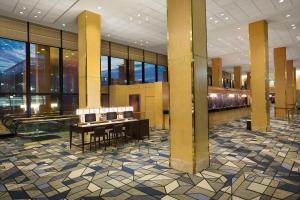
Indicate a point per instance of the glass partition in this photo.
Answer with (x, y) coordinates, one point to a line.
(12, 66)
(135, 72)
(162, 73)
(104, 70)
(44, 69)
(118, 71)
(12, 104)
(44, 104)
(149, 72)
(70, 71)
(71, 103)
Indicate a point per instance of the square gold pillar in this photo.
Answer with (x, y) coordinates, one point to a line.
(280, 83)
(290, 94)
(89, 43)
(237, 77)
(187, 61)
(259, 65)
(216, 66)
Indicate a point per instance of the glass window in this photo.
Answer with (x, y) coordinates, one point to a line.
(44, 69)
(149, 72)
(70, 71)
(70, 104)
(104, 70)
(135, 72)
(44, 104)
(11, 104)
(118, 71)
(162, 73)
(12, 66)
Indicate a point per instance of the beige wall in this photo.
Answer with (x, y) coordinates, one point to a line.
(153, 99)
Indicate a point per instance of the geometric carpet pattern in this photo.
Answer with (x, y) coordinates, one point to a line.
(243, 165)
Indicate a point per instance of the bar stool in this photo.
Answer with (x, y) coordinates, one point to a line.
(119, 132)
(98, 133)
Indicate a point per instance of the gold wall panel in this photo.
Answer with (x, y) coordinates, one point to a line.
(187, 62)
(280, 83)
(89, 42)
(44, 35)
(118, 50)
(69, 40)
(150, 57)
(13, 29)
(259, 59)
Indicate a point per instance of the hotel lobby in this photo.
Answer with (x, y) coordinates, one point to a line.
(150, 99)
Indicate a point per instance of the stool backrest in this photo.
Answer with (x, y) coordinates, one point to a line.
(99, 131)
(118, 128)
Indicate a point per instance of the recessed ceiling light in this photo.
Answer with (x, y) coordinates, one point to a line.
(226, 18)
(211, 18)
(147, 42)
(147, 18)
(21, 12)
(99, 7)
(63, 25)
(43, 49)
(130, 18)
(35, 16)
(216, 21)
(108, 35)
(39, 12)
(281, 1)
(238, 28)
(288, 15)
(293, 25)
(139, 14)
(24, 8)
(222, 14)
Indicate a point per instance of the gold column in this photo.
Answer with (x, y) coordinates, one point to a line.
(259, 64)
(237, 77)
(216, 70)
(280, 83)
(248, 80)
(187, 63)
(290, 94)
(89, 43)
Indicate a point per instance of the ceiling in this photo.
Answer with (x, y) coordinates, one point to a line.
(143, 23)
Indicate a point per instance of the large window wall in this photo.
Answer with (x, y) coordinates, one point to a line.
(42, 79)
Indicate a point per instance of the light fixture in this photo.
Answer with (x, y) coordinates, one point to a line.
(147, 42)
(39, 12)
(147, 18)
(222, 14)
(24, 8)
(139, 14)
(211, 18)
(99, 7)
(35, 16)
(108, 35)
(43, 49)
(288, 15)
(216, 21)
(63, 25)
(130, 18)
(293, 25)
(280, 1)
(226, 18)
(238, 28)
(21, 12)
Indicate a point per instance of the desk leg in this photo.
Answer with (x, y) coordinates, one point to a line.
(71, 139)
(82, 140)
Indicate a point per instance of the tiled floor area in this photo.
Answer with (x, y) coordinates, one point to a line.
(244, 165)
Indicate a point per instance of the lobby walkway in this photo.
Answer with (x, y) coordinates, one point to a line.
(244, 165)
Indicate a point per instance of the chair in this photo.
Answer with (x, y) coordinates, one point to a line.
(119, 132)
(132, 130)
(144, 129)
(98, 133)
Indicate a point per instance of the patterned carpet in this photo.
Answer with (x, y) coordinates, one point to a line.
(244, 165)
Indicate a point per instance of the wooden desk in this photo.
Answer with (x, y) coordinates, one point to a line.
(82, 129)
